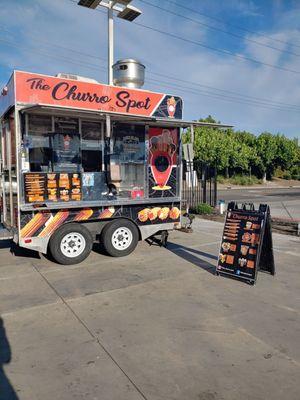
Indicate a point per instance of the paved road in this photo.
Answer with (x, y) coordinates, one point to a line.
(284, 203)
(156, 325)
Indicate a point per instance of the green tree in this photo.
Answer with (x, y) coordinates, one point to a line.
(287, 152)
(242, 151)
(267, 151)
(249, 140)
(212, 146)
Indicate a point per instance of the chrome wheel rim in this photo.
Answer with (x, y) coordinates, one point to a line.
(122, 238)
(72, 245)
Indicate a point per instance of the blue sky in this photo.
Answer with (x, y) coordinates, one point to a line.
(50, 36)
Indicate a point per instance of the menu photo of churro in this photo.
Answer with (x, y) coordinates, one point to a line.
(64, 182)
(75, 187)
(64, 195)
(226, 246)
(52, 194)
(52, 186)
(64, 186)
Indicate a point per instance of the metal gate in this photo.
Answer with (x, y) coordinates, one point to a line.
(201, 189)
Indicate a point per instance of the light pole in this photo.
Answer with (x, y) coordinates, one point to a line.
(124, 10)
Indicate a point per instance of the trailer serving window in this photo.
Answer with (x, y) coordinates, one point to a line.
(91, 146)
(63, 144)
(38, 143)
(67, 159)
(65, 140)
(127, 160)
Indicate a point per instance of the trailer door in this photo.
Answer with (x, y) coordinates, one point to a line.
(8, 171)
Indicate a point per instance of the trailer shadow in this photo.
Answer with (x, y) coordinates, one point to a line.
(185, 253)
(7, 392)
(18, 251)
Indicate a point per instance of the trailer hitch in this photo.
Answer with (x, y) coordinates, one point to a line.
(160, 239)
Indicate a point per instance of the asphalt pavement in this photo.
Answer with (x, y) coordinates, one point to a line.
(284, 203)
(156, 325)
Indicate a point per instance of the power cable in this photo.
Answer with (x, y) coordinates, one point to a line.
(4, 29)
(201, 44)
(60, 58)
(227, 52)
(173, 78)
(219, 20)
(219, 29)
(162, 75)
(166, 84)
(218, 96)
(242, 99)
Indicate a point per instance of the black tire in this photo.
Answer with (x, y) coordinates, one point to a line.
(56, 239)
(112, 245)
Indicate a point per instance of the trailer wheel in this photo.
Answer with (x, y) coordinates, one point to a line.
(119, 238)
(71, 244)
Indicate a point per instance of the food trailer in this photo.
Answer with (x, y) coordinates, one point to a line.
(84, 162)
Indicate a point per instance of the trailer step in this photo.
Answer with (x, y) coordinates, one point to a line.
(5, 234)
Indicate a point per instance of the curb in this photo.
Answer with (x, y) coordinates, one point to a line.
(279, 225)
(259, 187)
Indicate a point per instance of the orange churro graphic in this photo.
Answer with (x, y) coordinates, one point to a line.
(107, 213)
(143, 215)
(152, 215)
(54, 223)
(174, 213)
(163, 213)
(37, 221)
(83, 215)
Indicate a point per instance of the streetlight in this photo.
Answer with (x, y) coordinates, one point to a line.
(124, 10)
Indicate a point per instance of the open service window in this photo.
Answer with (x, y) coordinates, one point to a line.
(127, 169)
(62, 159)
(91, 146)
(66, 155)
(37, 143)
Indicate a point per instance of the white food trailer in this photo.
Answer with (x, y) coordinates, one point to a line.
(84, 162)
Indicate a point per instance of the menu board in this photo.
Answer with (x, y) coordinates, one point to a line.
(64, 187)
(35, 187)
(246, 230)
(41, 187)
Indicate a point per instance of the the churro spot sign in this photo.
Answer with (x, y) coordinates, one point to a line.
(41, 89)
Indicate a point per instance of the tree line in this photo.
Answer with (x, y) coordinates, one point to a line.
(240, 152)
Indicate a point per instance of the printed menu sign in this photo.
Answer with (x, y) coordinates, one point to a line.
(48, 187)
(35, 187)
(245, 233)
(64, 187)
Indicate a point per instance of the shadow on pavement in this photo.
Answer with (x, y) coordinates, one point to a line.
(5, 244)
(98, 248)
(185, 253)
(6, 390)
(18, 251)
